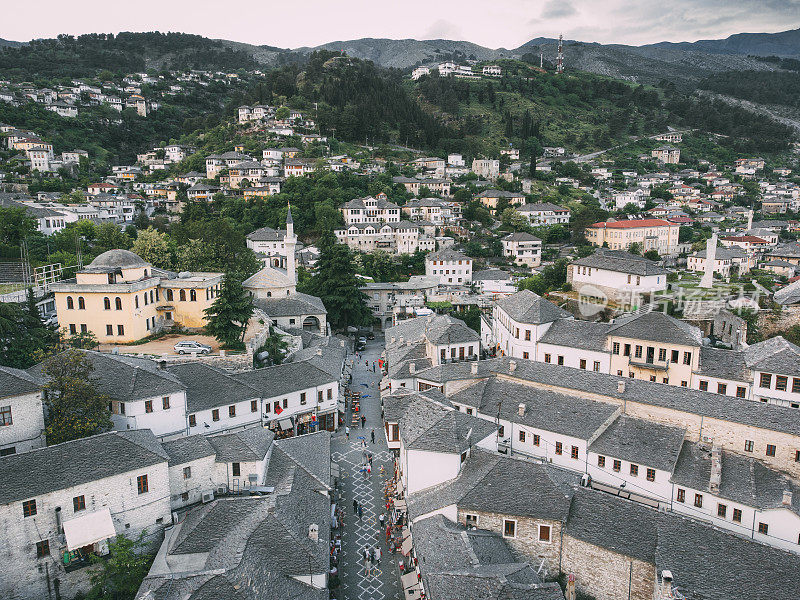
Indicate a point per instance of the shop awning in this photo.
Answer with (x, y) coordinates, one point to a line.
(409, 580)
(406, 547)
(334, 469)
(285, 424)
(89, 529)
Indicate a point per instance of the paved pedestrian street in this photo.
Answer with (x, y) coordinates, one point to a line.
(359, 580)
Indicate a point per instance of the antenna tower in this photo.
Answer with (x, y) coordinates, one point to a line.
(560, 57)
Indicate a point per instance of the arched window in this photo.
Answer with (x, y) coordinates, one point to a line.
(70, 304)
(136, 301)
(151, 296)
(81, 303)
(169, 295)
(269, 294)
(183, 296)
(145, 272)
(118, 303)
(106, 303)
(193, 295)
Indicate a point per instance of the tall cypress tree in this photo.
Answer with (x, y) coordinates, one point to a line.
(230, 312)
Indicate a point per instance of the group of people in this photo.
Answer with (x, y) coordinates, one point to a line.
(371, 556)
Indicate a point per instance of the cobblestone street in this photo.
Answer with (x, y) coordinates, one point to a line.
(362, 581)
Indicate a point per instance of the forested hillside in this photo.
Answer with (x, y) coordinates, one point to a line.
(764, 87)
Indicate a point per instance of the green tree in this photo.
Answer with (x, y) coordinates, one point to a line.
(652, 255)
(513, 220)
(154, 247)
(335, 282)
(15, 225)
(275, 346)
(119, 575)
(229, 314)
(24, 339)
(282, 113)
(635, 248)
(74, 407)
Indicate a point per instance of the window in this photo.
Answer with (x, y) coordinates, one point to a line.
(187, 472)
(781, 382)
(651, 474)
(148, 406)
(165, 402)
(741, 392)
(79, 503)
(509, 528)
(634, 470)
(559, 449)
(81, 303)
(182, 295)
(29, 508)
(684, 384)
(169, 295)
(722, 388)
(70, 303)
(721, 510)
(681, 497)
(770, 449)
(192, 295)
(638, 352)
(319, 396)
(617, 465)
(627, 351)
(583, 363)
(544, 533)
(615, 348)
(560, 360)
(574, 452)
(118, 303)
(253, 405)
(737, 515)
(106, 303)
(521, 436)
(601, 461)
(232, 411)
(675, 355)
(765, 380)
(192, 420)
(763, 528)
(185, 497)
(596, 367)
(5, 416)
(136, 301)
(302, 398)
(704, 386)
(120, 330)
(215, 414)
(526, 355)
(42, 548)
(83, 328)
(547, 358)
(687, 358)
(536, 439)
(330, 393)
(471, 520)
(72, 329)
(527, 335)
(469, 410)
(662, 354)
(109, 330)
(698, 500)
(796, 385)
(141, 484)
(236, 469)
(285, 403)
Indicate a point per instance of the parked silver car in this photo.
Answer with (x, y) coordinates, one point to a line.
(191, 347)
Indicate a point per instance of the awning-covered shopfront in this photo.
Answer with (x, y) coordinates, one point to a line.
(89, 529)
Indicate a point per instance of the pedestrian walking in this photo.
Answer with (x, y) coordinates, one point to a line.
(373, 366)
(377, 554)
(360, 511)
(369, 458)
(369, 470)
(381, 518)
(355, 506)
(373, 436)
(347, 432)
(363, 421)
(365, 555)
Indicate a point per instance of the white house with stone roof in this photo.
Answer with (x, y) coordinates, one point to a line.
(450, 266)
(523, 249)
(617, 275)
(520, 320)
(21, 412)
(370, 210)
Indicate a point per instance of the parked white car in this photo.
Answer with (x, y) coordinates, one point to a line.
(191, 347)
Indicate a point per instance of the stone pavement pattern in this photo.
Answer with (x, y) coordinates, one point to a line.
(378, 581)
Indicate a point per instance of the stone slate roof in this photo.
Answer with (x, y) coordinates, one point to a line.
(446, 254)
(542, 206)
(187, 449)
(310, 452)
(491, 275)
(575, 333)
(725, 364)
(208, 387)
(359, 203)
(744, 479)
(38, 472)
(775, 355)
(521, 236)
(437, 329)
(788, 295)
(639, 441)
(125, 378)
(16, 382)
(527, 307)
(290, 306)
(202, 532)
(247, 445)
(544, 409)
(656, 327)
(724, 253)
(277, 380)
(621, 262)
(267, 234)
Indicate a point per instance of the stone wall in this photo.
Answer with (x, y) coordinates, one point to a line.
(607, 575)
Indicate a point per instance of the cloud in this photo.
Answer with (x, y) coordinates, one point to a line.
(558, 9)
(442, 29)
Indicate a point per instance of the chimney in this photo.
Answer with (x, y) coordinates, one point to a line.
(393, 339)
(412, 368)
(473, 368)
(621, 386)
(319, 351)
(666, 585)
(313, 532)
(716, 469)
(787, 498)
(512, 366)
(521, 409)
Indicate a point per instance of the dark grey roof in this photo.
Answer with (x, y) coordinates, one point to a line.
(723, 253)
(544, 409)
(575, 333)
(209, 387)
(66, 465)
(16, 382)
(187, 449)
(527, 307)
(789, 294)
(291, 306)
(491, 275)
(437, 329)
(542, 206)
(209, 528)
(521, 236)
(725, 364)
(656, 327)
(621, 262)
(640, 441)
(500, 194)
(775, 355)
(312, 453)
(267, 234)
(447, 254)
(270, 382)
(247, 445)
(125, 378)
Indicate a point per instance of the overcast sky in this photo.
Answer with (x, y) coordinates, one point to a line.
(497, 23)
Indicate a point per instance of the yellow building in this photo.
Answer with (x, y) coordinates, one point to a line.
(650, 234)
(120, 298)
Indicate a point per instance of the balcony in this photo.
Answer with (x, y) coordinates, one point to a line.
(641, 363)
